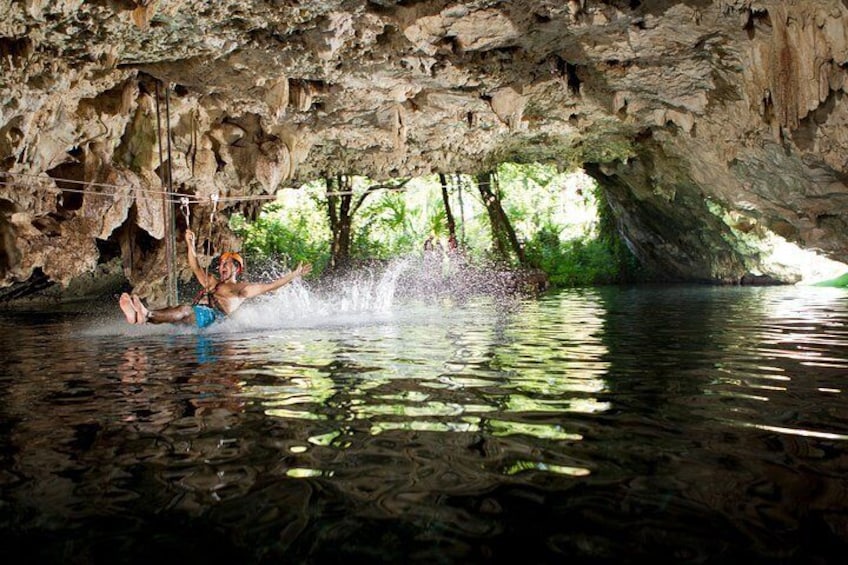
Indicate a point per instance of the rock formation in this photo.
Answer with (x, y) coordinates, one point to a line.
(681, 110)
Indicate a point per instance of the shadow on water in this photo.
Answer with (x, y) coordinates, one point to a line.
(612, 425)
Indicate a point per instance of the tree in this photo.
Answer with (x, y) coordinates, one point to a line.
(341, 208)
(452, 241)
(504, 240)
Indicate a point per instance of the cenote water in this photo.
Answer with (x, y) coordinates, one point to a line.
(607, 425)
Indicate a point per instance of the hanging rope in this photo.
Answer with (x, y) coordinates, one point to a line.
(193, 149)
(461, 206)
(168, 129)
(159, 133)
(212, 216)
(167, 205)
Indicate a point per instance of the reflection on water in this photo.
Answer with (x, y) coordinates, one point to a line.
(606, 425)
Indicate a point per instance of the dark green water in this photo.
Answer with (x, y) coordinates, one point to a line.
(673, 424)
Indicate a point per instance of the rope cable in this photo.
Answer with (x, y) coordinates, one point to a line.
(168, 129)
(193, 150)
(167, 207)
(461, 205)
(58, 190)
(120, 186)
(159, 144)
(124, 190)
(212, 217)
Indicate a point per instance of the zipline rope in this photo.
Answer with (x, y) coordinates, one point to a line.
(87, 183)
(124, 190)
(129, 191)
(212, 215)
(58, 190)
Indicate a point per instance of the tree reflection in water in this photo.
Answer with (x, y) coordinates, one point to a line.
(601, 425)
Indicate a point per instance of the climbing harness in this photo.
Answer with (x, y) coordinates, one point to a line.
(205, 313)
(211, 299)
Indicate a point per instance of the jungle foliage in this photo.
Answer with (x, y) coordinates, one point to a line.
(561, 221)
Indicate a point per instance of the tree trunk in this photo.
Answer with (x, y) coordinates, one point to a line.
(452, 241)
(503, 236)
(341, 208)
(339, 212)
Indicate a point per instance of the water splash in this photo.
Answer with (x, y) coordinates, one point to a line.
(355, 298)
(367, 295)
(367, 290)
(454, 275)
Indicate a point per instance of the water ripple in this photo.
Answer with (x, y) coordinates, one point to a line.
(704, 423)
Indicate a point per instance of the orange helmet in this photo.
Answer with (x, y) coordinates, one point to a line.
(232, 255)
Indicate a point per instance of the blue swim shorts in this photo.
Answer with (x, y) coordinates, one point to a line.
(205, 316)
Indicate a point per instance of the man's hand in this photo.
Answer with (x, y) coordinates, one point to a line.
(303, 269)
(189, 238)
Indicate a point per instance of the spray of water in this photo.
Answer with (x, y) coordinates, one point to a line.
(367, 295)
(454, 276)
(357, 296)
(377, 292)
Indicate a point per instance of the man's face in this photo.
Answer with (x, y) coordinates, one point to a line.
(227, 269)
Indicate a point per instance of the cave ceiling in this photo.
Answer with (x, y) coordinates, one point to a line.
(676, 108)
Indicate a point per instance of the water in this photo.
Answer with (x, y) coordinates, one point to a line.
(614, 425)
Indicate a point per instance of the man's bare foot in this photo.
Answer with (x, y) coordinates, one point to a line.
(125, 302)
(140, 309)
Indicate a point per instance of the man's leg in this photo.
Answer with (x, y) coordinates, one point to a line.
(174, 315)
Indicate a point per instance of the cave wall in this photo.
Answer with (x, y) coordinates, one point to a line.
(668, 104)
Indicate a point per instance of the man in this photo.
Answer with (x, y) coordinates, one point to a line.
(219, 297)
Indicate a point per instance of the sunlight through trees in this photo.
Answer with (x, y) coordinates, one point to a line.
(528, 216)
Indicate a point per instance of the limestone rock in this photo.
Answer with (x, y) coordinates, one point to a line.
(673, 106)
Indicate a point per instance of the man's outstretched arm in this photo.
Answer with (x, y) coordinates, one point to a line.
(255, 289)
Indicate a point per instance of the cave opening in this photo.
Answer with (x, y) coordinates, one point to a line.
(773, 256)
(524, 215)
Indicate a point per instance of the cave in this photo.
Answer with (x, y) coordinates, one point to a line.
(382, 414)
(715, 110)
